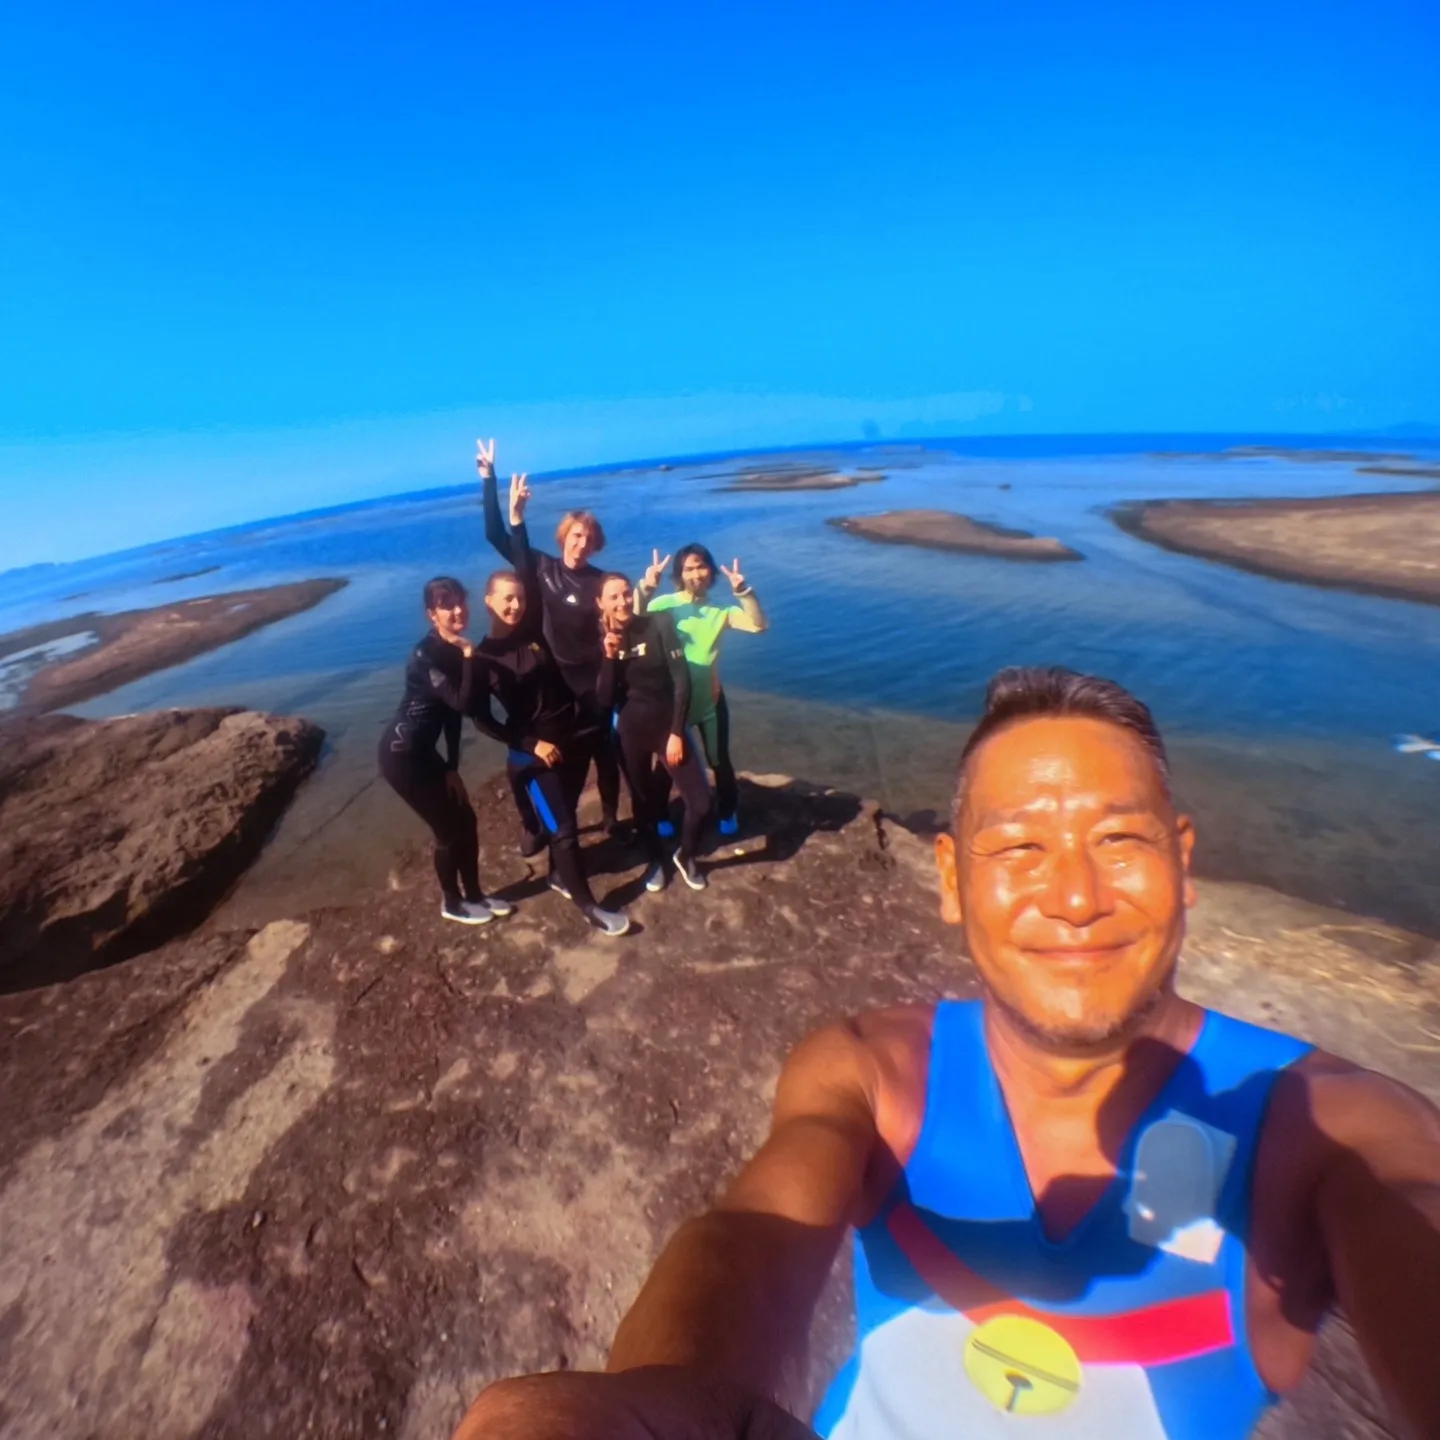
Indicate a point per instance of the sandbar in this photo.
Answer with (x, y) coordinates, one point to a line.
(134, 643)
(946, 530)
(1385, 544)
(1296, 453)
(802, 478)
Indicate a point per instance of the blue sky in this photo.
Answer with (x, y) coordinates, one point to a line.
(258, 258)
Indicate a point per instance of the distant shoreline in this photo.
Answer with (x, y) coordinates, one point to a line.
(135, 643)
(1386, 544)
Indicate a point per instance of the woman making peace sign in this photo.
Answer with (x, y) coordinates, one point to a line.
(702, 625)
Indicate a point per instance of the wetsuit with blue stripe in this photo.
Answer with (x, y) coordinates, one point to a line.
(565, 611)
(973, 1323)
(518, 671)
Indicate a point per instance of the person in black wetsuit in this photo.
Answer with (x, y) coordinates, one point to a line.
(548, 742)
(438, 684)
(645, 681)
(569, 586)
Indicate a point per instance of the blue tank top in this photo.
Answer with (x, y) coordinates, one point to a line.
(1131, 1328)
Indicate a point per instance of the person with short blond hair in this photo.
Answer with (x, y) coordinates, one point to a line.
(569, 591)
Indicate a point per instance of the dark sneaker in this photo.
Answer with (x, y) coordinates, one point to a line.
(467, 912)
(608, 922)
(498, 908)
(558, 886)
(655, 878)
(730, 825)
(689, 872)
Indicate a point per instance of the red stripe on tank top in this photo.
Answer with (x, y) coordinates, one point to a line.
(1153, 1335)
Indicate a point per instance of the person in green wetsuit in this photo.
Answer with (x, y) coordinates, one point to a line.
(702, 625)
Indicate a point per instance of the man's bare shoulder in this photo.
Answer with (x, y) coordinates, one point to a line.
(1337, 1102)
(896, 1043)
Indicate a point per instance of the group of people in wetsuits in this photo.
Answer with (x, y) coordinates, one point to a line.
(580, 667)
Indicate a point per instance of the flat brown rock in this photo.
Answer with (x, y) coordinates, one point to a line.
(1376, 544)
(115, 649)
(946, 530)
(116, 835)
(332, 1177)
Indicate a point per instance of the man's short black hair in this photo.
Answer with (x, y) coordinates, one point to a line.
(1038, 692)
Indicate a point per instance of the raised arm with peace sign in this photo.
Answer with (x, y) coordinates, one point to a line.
(654, 570)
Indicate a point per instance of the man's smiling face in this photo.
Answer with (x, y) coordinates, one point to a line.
(1069, 869)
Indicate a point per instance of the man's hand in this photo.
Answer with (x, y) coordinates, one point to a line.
(612, 644)
(734, 576)
(456, 786)
(485, 459)
(660, 1402)
(519, 499)
(546, 753)
(654, 570)
(675, 751)
(467, 647)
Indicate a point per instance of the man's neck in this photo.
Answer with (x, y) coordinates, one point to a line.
(1084, 1076)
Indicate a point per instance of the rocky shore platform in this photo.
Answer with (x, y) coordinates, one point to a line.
(117, 835)
(1376, 544)
(946, 530)
(331, 1176)
(63, 662)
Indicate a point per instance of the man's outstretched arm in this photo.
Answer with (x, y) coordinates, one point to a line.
(732, 1295)
(1377, 1201)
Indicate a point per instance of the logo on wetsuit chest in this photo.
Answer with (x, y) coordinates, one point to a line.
(1022, 1366)
(633, 651)
(572, 598)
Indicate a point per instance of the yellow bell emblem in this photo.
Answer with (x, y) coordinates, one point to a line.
(1022, 1366)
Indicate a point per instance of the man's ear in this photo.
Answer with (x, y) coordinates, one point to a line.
(1185, 834)
(949, 882)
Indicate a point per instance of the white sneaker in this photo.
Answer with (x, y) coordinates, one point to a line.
(499, 908)
(655, 878)
(689, 871)
(466, 912)
(608, 922)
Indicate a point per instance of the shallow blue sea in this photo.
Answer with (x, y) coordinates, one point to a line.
(1243, 666)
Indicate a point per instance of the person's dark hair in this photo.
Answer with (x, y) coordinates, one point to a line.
(443, 590)
(1034, 692)
(496, 576)
(677, 568)
(610, 575)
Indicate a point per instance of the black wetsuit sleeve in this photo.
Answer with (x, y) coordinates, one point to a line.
(457, 700)
(483, 714)
(495, 531)
(454, 694)
(679, 673)
(527, 567)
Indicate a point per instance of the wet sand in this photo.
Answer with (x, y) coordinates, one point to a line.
(946, 530)
(1376, 544)
(135, 643)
